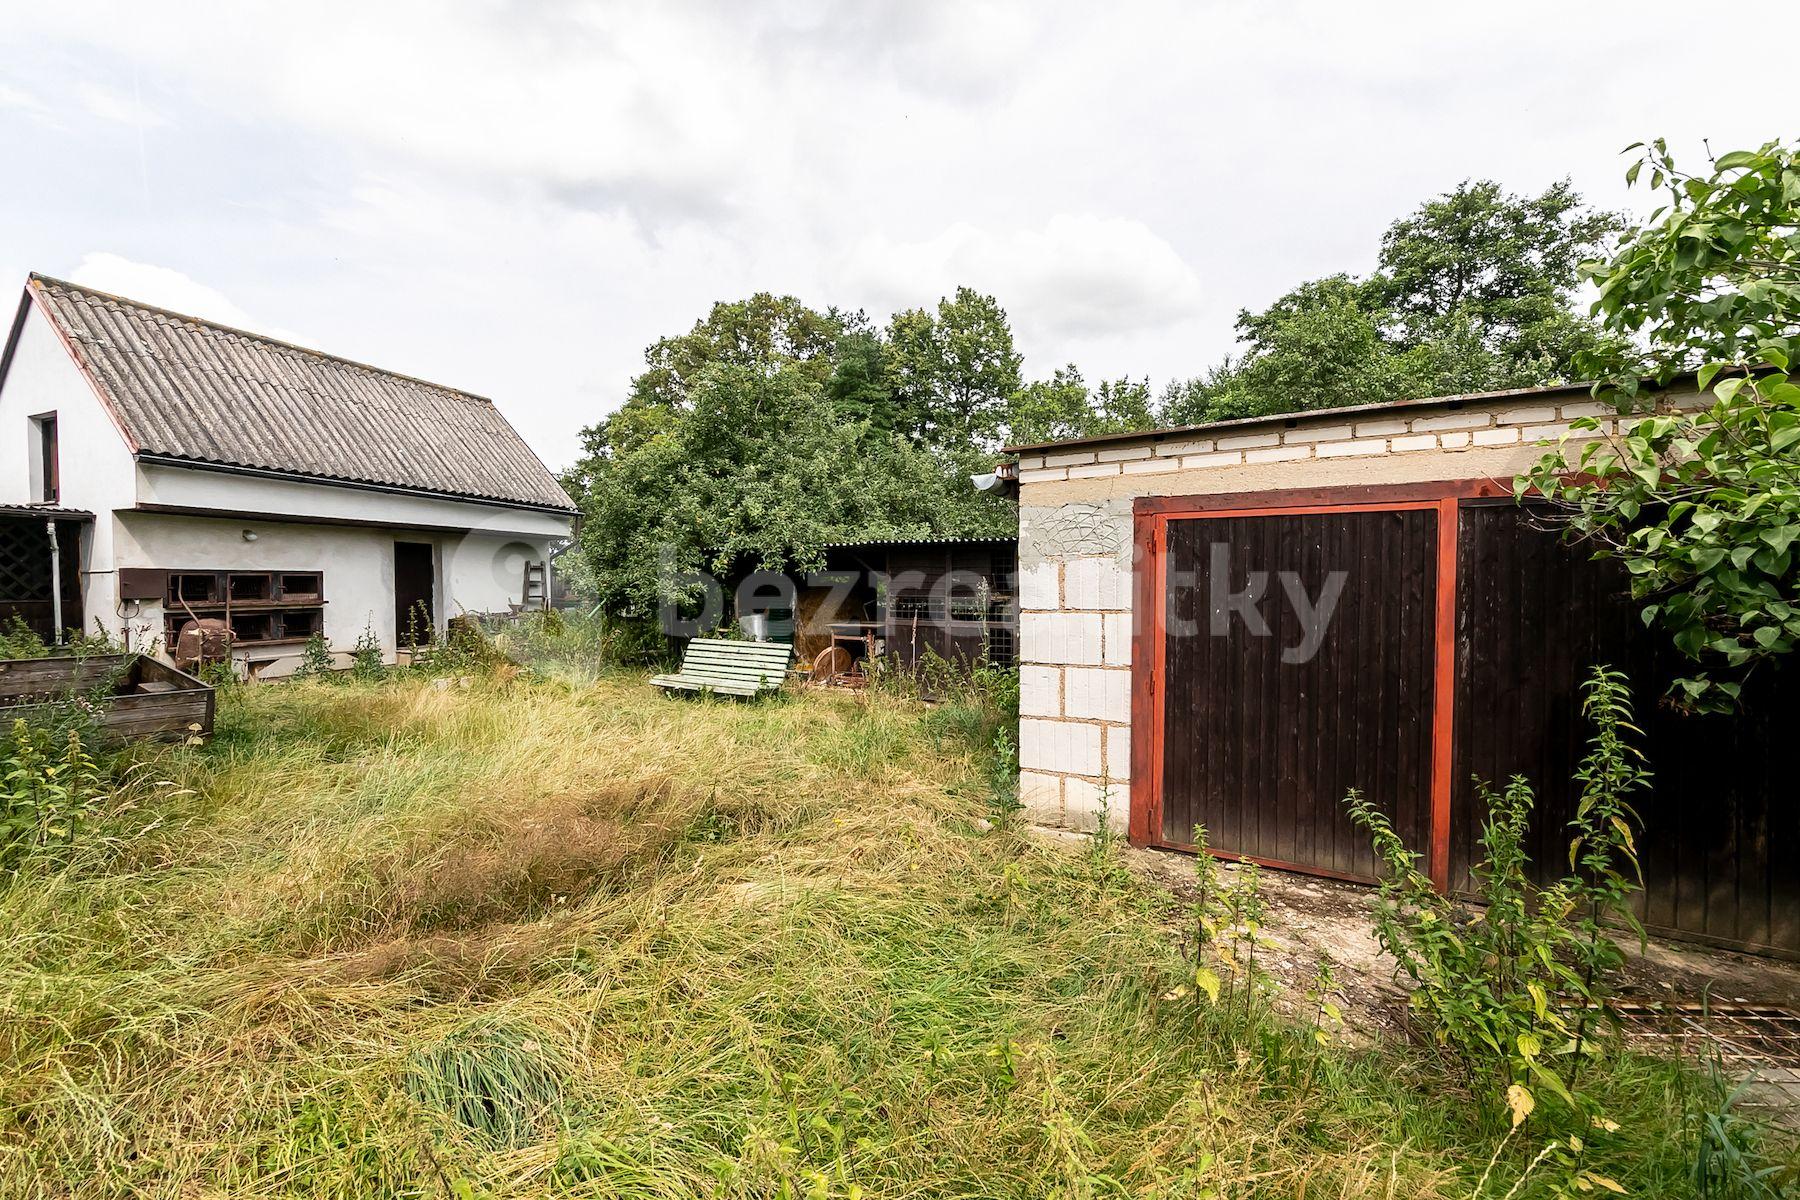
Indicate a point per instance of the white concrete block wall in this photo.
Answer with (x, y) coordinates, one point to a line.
(1086, 801)
(1115, 639)
(1494, 423)
(1097, 694)
(1040, 690)
(1061, 637)
(1096, 584)
(1040, 587)
(1075, 678)
(1060, 747)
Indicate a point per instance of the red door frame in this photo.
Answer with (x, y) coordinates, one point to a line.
(1151, 515)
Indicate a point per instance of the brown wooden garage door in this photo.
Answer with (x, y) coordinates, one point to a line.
(1720, 847)
(1457, 650)
(1259, 743)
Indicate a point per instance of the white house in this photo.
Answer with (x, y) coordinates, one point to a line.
(235, 476)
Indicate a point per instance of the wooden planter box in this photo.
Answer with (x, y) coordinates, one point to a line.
(138, 697)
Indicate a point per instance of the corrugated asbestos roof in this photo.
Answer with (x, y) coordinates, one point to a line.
(980, 540)
(190, 390)
(42, 511)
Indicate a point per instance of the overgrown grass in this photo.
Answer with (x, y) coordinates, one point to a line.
(415, 939)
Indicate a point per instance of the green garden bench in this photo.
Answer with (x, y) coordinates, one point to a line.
(729, 668)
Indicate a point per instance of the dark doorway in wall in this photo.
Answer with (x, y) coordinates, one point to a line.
(414, 613)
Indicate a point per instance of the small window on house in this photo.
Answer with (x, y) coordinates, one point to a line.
(252, 627)
(302, 623)
(46, 484)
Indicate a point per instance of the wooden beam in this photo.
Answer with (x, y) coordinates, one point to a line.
(1304, 499)
(1443, 700)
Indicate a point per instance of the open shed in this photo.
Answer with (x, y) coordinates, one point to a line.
(40, 567)
(1226, 628)
(953, 597)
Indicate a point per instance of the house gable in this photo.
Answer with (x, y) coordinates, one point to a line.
(39, 378)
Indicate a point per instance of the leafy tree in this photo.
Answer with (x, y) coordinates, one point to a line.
(757, 468)
(1472, 293)
(1701, 504)
(861, 387)
(771, 428)
(764, 333)
(1503, 266)
(1062, 407)
(954, 370)
(1319, 346)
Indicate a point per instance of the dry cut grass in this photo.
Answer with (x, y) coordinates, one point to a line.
(521, 939)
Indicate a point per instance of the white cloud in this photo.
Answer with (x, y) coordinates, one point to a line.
(1076, 276)
(518, 198)
(165, 287)
(22, 101)
(108, 105)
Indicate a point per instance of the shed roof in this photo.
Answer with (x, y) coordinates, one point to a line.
(977, 540)
(1288, 418)
(43, 511)
(192, 392)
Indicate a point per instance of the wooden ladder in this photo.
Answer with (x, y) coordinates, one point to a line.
(536, 593)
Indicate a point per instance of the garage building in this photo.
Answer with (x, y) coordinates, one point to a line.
(1225, 628)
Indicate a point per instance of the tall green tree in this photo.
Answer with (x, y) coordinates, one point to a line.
(1473, 292)
(954, 370)
(764, 333)
(770, 428)
(757, 469)
(861, 387)
(1701, 503)
(1063, 406)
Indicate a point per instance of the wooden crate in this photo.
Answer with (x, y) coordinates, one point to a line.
(139, 698)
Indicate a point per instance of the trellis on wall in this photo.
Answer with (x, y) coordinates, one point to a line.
(25, 570)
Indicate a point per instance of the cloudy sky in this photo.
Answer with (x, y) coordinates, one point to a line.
(516, 198)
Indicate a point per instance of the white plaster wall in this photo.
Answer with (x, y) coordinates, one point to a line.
(358, 566)
(474, 570)
(484, 571)
(95, 467)
(184, 487)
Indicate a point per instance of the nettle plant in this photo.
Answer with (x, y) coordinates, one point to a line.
(50, 788)
(1513, 992)
(1700, 502)
(1226, 934)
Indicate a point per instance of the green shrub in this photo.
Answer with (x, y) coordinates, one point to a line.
(366, 664)
(1511, 992)
(637, 642)
(19, 640)
(315, 659)
(49, 788)
(465, 649)
(552, 643)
